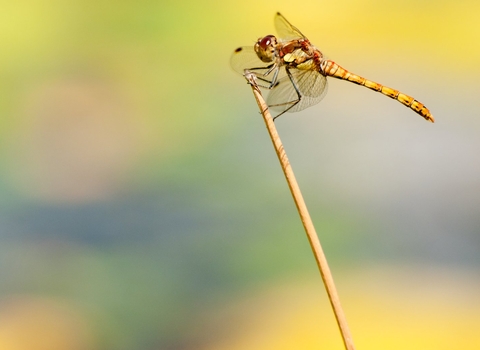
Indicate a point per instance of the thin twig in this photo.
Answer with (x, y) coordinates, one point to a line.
(304, 216)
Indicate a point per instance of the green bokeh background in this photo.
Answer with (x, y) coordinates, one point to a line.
(142, 205)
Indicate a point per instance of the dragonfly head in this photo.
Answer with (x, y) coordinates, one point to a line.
(265, 48)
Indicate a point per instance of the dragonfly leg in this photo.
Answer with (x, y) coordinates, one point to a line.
(269, 83)
(274, 79)
(291, 103)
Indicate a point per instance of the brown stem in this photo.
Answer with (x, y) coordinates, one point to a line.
(304, 216)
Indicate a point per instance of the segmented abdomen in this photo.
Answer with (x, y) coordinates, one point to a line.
(332, 69)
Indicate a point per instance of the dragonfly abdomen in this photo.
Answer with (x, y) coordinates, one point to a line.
(332, 69)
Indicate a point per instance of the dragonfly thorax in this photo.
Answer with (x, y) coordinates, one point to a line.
(265, 48)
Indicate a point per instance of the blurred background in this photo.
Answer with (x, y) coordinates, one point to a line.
(142, 205)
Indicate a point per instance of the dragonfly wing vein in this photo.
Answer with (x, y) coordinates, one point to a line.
(285, 30)
(284, 94)
(246, 58)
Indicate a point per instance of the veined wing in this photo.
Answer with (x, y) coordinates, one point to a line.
(285, 30)
(312, 88)
(246, 58)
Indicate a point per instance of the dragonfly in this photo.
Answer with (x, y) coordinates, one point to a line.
(295, 71)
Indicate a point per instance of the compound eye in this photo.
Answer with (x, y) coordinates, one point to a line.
(266, 42)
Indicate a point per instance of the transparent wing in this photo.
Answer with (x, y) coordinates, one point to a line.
(310, 82)
(285, 30)
(312, 87)
(246, 58)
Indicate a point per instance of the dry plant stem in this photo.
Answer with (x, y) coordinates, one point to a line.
(305, 216)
